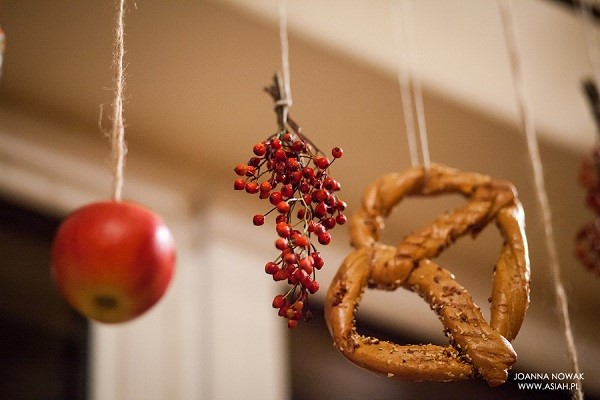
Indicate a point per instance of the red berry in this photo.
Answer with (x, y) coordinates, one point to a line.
(281, 275)
(292, 323)
(337, 152)
(319, 195)
(329, 183)
(283, 309)
(329, 223)
(292, 164)
(279, 167)
(280, 155)
(279, 177)
(293, 279)
(258, 219)
(283, 229)
(320, 210)
(250, 170)
(318, 229)
(300, 275)
(275, 198)
(252, 187)
(306, 264)
(254, 161)
(239, 184)
(271, 268)
(241, 169)
(276, 144)
(302, 241)
(279, 301)
(321, 162)
(283, 207)
(287, 191)
(289, 313)
(281, 244)
(298, 305)
(259, 149)
(289, 258)
(304, 187)
(324, 238)
(265, 186)
(312, 286)
(332, 203)
(308, 173)
(298, 146)
(317, 260)
(296, 176)
(341, 205)
(341, 219)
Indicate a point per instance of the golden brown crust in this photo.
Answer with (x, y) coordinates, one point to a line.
(485, 348)
(428, 362)
(510, 291)
(476, 347)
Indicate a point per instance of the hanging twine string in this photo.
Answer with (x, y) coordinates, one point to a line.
(528, 123)
(407, 6)
(405, 38)
(285, 101)
(117, 131)
(397, 21)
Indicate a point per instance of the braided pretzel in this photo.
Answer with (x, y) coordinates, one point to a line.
(477, 348)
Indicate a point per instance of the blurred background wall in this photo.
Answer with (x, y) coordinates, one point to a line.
(194, 108)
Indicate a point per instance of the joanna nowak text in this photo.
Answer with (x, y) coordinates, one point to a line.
(548, 381)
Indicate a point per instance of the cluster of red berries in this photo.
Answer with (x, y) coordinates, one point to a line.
(587, 239)
(293, 176)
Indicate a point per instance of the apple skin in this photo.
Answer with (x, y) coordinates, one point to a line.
(113, 260)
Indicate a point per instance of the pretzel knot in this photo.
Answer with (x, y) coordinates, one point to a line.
(476, 347)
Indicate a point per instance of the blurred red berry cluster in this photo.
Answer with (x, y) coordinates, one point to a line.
(587, 239)
(292, 174)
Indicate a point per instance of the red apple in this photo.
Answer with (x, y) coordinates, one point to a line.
(112, 260)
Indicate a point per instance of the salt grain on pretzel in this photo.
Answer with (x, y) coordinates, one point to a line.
(476, 347)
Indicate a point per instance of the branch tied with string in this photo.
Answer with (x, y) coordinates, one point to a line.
(290, 171)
